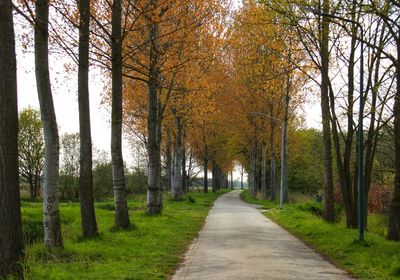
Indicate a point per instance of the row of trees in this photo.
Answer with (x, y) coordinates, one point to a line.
(329, 34)
(200, 83)
(140, 45)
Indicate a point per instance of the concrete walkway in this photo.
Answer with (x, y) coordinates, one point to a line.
(238, 242)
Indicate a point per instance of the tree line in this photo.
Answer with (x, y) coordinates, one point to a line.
(205, 86)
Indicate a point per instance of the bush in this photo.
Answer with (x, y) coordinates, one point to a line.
(136, 182)
(305, 166)
(317, 209)
(379, 199)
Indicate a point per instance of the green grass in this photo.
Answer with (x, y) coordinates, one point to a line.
(151, 249)
(376, 258)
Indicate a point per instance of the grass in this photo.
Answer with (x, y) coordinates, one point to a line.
(376, 258)
(151, 249)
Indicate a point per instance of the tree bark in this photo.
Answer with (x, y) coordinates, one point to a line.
(183, 165)
(169, 163)
(121, 205)
(273, 162)
(241, 178)
(214, 176)
(11, 242)
(88, 218)
(154, 199)
(329, 213)
(177, 188)
(253, 168)
(394, 211)
(264, 170)
(51, 213)
(231, 179)
(205, 175)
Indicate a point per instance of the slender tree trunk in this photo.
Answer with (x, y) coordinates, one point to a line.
(372, 136)
(154, 199)
(253, 169)
(177, 190)
(88, 218)
(31, 186)
(183, 165)
(285, 141)
(231, 179)
(51, 213)
(264, 170)
(36, 184)
(241, 178)
(121, 204)
(169, 163)
(11, 242)
(329, 213)
(344, 164)
(214, 176)
(394, 212)
(205, 171)
(273, 162)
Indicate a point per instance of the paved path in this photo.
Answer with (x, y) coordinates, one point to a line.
(238, 242)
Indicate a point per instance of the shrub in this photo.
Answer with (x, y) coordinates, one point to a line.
(191, 199)
(317, 209)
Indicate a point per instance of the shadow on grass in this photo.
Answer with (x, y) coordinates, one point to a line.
(131, 227)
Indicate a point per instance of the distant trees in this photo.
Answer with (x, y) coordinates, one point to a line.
(11, 242)
(31, 149)
(69, 172)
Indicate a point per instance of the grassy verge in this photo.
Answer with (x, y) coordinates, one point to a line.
(376, 258)
(150, 249)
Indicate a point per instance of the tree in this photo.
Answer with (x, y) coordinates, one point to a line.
(88, 218)
(51, 221)
(154, 199)
(69, 179)
(121, 204)
(31, 149)
(11, 242)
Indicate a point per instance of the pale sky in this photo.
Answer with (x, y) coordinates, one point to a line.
(65, 100)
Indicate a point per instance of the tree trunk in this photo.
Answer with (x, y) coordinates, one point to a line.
(183, 165)
(154, 199)
(36, 184)
(344, 164)
(88, 218)
(253, 169)
(241, 178)
(205, 171)
(329, 211)
(121, 205)
(273, 162)
(285, 141)
(214, 176)
(51, 213)
(31, 186)
(169, 163)
(264, 170)
(177, 190)
(394, 212)
(11, 242)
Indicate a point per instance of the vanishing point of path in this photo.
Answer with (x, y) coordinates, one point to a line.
(239, 242)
